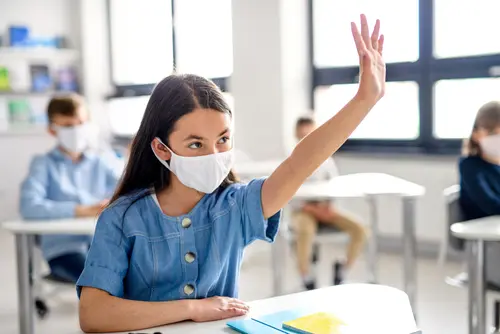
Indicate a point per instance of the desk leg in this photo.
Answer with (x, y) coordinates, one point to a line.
(410, 250)
(477, 304)
(278, 254)
(372, 254)
(24, 251)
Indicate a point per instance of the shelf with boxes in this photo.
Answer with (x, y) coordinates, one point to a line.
(32, 70)
(28, 79)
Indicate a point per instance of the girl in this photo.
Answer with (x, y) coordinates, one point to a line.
(169, 246)
(480, 179)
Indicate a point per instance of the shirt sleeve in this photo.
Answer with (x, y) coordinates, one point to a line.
(475, 183)
(107, 261)
(254, 225)
(34, 203)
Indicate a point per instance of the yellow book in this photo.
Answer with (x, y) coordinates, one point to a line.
(317, 323)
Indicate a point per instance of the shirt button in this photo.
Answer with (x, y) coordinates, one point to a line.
(186, 222)
(189, 257)
(188, 289)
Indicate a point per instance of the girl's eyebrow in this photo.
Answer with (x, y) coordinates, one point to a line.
(196, 137)
(193, 137)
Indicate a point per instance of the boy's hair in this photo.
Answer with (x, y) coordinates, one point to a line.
(488, 117)
(305, 120)
(65, 105)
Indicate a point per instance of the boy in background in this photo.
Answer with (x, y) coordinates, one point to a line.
(308, 215)
(67, 182)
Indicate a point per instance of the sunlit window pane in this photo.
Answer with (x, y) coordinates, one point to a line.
(466, 28)
(141, 41)
(396, 116)
(333, 44)
(204, 37)
(456, 103)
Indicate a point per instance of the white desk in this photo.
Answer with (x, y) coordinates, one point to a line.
(364, 185)
(476, 232)
(24, 232)
(368, 308)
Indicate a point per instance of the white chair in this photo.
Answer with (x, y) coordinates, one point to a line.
(454, 214)
(326, 234)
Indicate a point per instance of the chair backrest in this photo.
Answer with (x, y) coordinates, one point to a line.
(454, 214)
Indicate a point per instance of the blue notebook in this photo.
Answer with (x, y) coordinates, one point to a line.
(250, 326)
(276, 320)
(270, 323)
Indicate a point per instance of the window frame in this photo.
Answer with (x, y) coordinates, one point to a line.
(426, 71)
(146, 89)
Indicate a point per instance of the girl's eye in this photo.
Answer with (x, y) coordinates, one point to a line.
(223, 140)
(195, 145)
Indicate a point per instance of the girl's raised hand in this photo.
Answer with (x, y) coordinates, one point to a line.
(372, 66)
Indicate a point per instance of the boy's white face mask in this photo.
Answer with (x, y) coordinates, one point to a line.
(203, 173)
(74, 139)
(490, 146)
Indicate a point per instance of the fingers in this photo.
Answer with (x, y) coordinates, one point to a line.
(365, 31)
(380, 47)
(360, 45)
(375, 35)
(238, 303)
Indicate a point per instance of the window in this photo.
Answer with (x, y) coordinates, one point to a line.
(332, 30)
(471, 21)
(151, 38)
(397, 112)
(203, 32)
(138, 56)
(438, 71)
(454, 101)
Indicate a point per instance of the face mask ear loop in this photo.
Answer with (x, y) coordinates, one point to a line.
(163, 162)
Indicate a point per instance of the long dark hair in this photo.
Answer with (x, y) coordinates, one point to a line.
(488, 117)
(172, 98)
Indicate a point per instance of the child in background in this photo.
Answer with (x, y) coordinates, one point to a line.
(169, 246)
(69, 181)
(480, 178)
(308, 215)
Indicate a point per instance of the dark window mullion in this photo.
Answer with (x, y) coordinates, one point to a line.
(458, 68)
(174, 39)
(426, 45)
(342, 75)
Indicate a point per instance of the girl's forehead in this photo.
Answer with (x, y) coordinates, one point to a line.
(204, 121)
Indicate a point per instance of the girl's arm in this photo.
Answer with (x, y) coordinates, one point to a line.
(318, 146)
(101, 312)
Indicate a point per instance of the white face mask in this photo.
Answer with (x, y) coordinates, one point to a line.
(203, 173)
(490, 146)
(74, 139)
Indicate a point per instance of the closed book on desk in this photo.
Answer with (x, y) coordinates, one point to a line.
(250, 326)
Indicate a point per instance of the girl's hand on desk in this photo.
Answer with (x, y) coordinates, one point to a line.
(218, 308)
(371, 64)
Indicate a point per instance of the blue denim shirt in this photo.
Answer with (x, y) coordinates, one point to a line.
(139, 253)
(55, 186)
